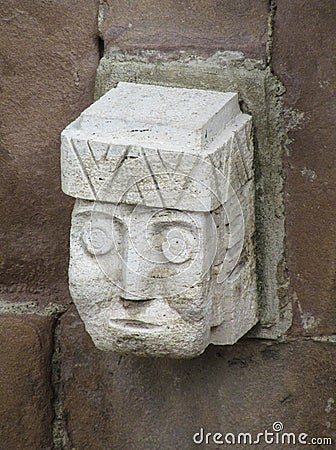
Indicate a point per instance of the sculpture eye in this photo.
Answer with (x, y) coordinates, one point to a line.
(97, 240)
(178, 245)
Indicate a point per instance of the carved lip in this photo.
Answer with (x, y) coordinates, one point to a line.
(133, 324)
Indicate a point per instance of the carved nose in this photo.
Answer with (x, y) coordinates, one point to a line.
(135, 281)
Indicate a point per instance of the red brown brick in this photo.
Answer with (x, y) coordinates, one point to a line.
(304, 59)
(48, 58)
(203, 26)
(25, 390)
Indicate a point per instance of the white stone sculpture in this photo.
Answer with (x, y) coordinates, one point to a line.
(161, 252)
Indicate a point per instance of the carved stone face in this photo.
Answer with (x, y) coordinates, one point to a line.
(140, 277)
(162, 254)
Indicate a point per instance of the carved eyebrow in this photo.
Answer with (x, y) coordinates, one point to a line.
(84, 213)
(101, 215)
(175, 222)
(115, 214)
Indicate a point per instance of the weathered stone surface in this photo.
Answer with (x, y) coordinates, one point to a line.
(48, 59)
(25, 390)
(161, 249)
(113, 401)
(258, 92)
(119, 146)
(203, 26)
(304, 59)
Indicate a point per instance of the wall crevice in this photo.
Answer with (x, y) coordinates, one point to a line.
(270, 30)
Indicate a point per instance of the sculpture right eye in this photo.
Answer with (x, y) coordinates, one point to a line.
(97, 240)
(178, 245)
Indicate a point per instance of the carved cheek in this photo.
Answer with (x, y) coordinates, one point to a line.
(192, 305)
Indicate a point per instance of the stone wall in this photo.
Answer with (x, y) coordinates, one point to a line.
(56, 390)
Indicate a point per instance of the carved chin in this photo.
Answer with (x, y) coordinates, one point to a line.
(176, 340)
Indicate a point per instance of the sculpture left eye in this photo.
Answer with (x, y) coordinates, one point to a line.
(178, 245)
(97, 240)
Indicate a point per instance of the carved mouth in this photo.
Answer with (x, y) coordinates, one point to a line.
(136, 302)
(133, 324)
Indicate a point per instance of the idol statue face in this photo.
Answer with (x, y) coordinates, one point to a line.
(140, 277)
(161, 250)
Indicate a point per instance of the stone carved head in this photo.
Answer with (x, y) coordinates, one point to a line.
(161, 251)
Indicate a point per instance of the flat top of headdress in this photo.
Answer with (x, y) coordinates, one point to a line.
(153, 116)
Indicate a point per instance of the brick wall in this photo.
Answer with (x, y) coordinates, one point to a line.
(57, 390)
